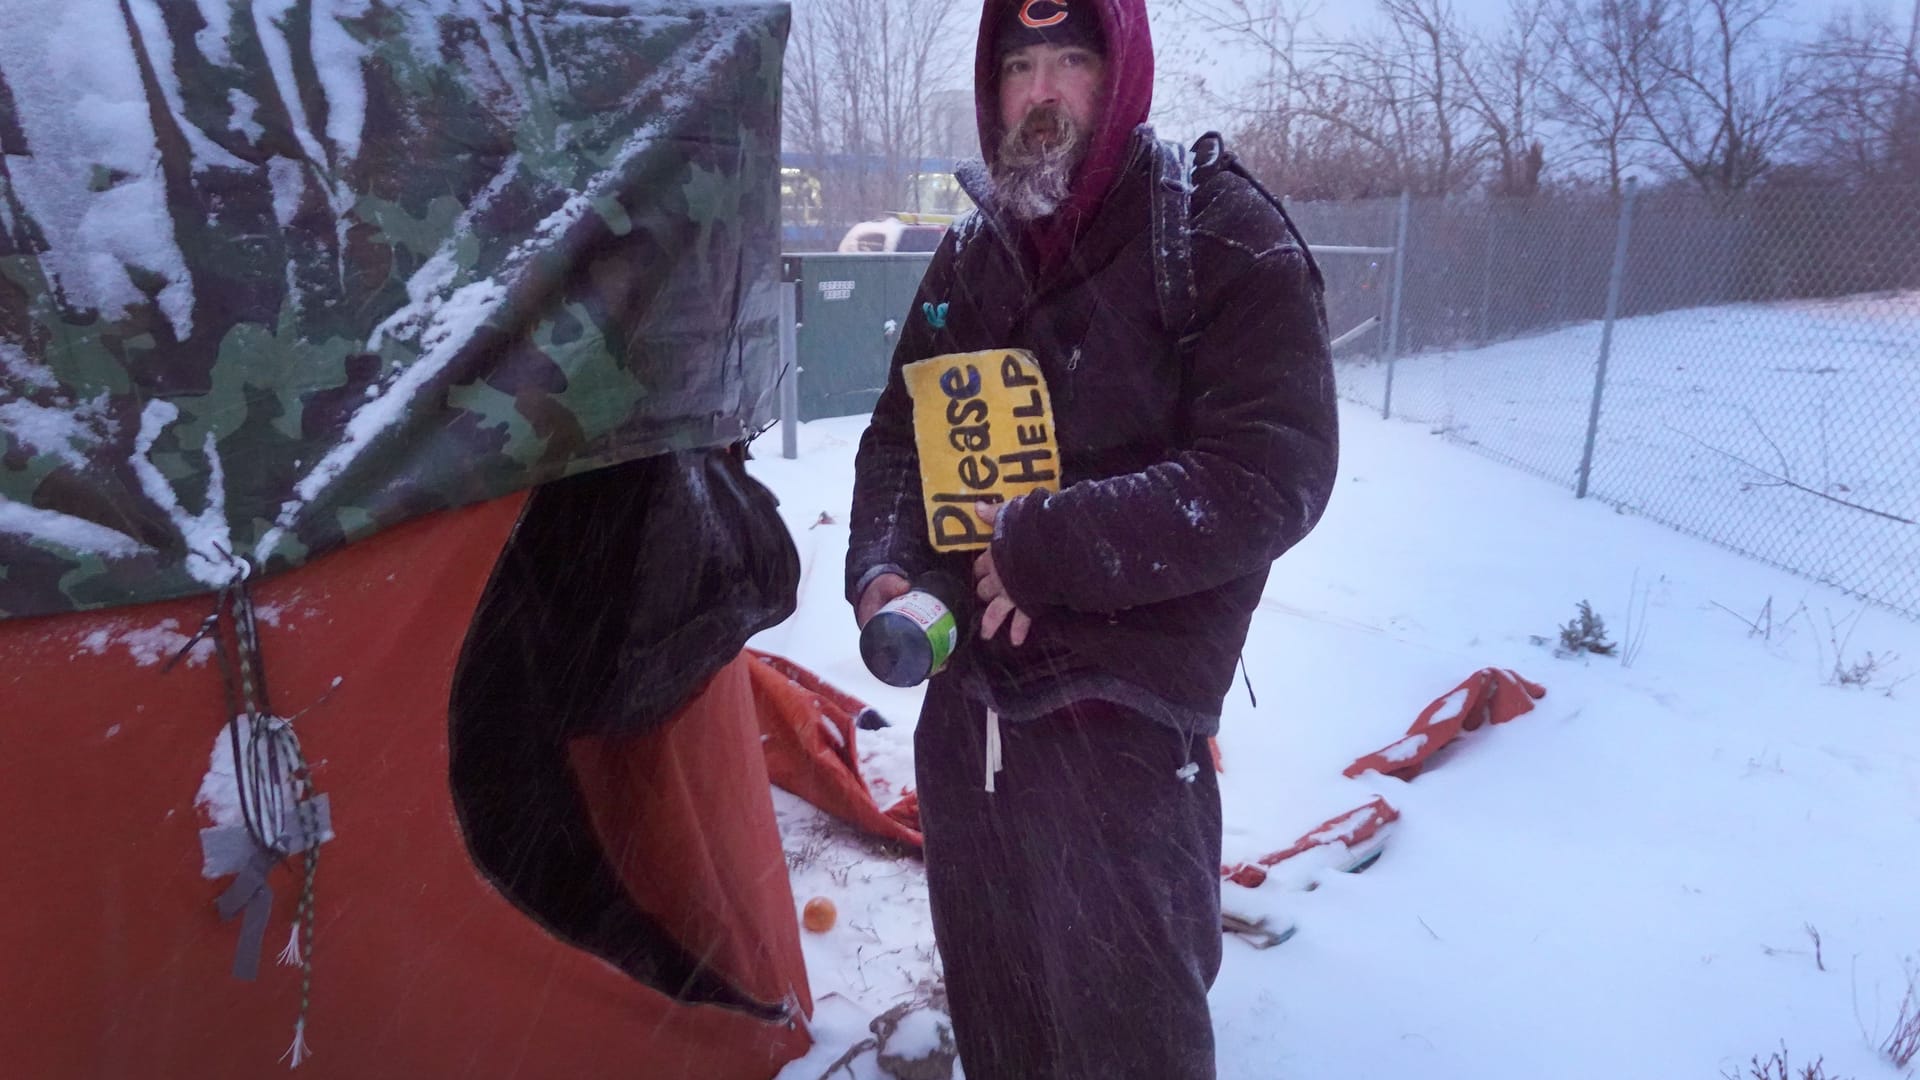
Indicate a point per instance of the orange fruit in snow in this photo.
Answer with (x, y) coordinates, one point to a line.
(818, 915)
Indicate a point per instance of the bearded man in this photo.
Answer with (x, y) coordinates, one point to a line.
(1067, 796)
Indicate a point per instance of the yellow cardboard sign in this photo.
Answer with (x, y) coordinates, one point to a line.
(983, 425)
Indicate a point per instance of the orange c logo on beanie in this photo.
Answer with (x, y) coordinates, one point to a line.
(1027, 17)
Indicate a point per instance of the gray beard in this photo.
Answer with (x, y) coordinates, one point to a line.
(1031, 178)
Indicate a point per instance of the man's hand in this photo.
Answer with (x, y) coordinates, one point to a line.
(989, 588)
(880, 592)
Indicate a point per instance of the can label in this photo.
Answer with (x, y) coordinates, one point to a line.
(934, 620)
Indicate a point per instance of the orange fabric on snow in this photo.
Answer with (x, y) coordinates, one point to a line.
(906, 811)
(807, 732)
(1488, 696)
(1354, 829)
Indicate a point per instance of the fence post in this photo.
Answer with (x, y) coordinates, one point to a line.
(1393, 306)
(1614, 283)
(1486, 276)
(789, 370)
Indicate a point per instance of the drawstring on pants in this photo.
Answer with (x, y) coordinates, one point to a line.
(993, 747)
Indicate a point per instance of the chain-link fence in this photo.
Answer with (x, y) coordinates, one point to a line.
(1760, 385)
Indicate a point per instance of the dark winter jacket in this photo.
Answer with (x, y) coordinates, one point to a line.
(1186, 468)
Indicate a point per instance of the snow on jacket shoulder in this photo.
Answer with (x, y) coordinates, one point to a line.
(1186, 470)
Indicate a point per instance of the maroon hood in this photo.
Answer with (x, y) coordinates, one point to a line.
(1129, 97)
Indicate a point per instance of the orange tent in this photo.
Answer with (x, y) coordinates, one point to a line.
(283, 781)
(435, 949)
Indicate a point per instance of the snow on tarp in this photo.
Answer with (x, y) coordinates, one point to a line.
(275, 276)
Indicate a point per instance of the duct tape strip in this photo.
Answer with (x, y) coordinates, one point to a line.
(228, 849)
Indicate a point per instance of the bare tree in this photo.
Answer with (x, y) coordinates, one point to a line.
(1189, 39)
(1379, 113)
(1290, 123)
(1399, 89)
(1506, 79)
(861, 76)
(1863, 107)
(1265, 115)
(1591, 94)
(1332, 149)
(1716, 93)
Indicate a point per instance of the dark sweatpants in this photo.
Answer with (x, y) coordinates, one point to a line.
(1077, 908)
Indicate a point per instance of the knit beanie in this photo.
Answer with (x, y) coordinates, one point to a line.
(1048, 22)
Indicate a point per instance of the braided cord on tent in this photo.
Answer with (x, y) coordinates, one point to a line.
(282, 765)
(265, 769)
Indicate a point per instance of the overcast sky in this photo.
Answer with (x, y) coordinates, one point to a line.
(1177, 115)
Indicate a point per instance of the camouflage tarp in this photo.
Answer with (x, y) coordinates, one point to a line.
(275, 275)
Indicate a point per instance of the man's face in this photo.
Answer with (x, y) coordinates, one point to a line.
(1070, 78)
(1050, 102)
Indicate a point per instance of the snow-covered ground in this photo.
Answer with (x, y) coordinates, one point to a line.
(1705, 412)
(1624, 882)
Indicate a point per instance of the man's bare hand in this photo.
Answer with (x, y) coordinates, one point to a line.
(990, 589)
(880, 592)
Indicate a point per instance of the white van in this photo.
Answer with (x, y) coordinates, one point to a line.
(897, 232)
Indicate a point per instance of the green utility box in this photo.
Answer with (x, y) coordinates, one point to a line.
(851, 309)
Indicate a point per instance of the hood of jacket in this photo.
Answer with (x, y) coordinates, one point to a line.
(1129, 96)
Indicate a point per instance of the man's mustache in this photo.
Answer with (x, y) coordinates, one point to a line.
(1044, 125)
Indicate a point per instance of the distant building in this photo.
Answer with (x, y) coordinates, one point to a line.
(952, 131)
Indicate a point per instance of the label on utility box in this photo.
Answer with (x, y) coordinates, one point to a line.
(983, 425)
